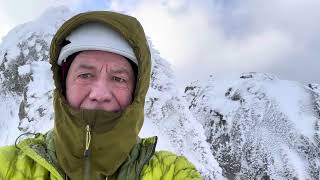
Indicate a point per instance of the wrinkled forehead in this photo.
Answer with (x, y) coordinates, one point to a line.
(95, 59)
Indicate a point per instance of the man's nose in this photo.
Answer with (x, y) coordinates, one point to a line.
(101, 91)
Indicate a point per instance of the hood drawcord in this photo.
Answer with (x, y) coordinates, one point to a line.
(87, 166)
(24, 134)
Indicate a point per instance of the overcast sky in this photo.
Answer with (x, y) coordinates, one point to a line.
(219, 37)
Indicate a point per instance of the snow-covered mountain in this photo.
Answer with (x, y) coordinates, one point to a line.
(252, 127)
(260, 127)
(25, 76)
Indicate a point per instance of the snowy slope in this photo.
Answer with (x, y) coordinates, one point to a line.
(26, 93)
(167, 115)
(260, 127)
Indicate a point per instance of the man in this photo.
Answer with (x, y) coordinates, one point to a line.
(101, 70)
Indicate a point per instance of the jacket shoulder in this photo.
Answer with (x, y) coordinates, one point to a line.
(23, 162)
(165, 165)
(15, 164)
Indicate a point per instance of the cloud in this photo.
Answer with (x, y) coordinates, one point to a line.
(217, 37)
(5, 26)
(212, 37)
(297, 21)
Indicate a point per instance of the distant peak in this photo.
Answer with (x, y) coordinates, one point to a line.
(258, 76)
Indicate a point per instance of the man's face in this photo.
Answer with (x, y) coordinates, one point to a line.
(100, 80)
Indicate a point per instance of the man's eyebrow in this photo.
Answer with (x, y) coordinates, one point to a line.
(120, 71)
(85, 66)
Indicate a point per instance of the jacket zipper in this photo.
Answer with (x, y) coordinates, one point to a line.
(86, 154)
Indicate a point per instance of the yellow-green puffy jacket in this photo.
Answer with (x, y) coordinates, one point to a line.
(35, 159)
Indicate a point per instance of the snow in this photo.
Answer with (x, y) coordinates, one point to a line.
(45, 26)
(25, 52)
(298, 164)
(293, 100)
(266, 125)
(40, 96)
(43, 76)
(23, 70)
(32, 42)
(12, 53)
(38, 47)
(9, 119)
(167, 112)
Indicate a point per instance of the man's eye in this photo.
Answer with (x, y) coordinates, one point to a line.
(118, 79)
(85, 75)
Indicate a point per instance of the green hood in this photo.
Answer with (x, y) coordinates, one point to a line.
(113, 135)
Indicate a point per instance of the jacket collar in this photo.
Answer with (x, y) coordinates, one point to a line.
(42, 150)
